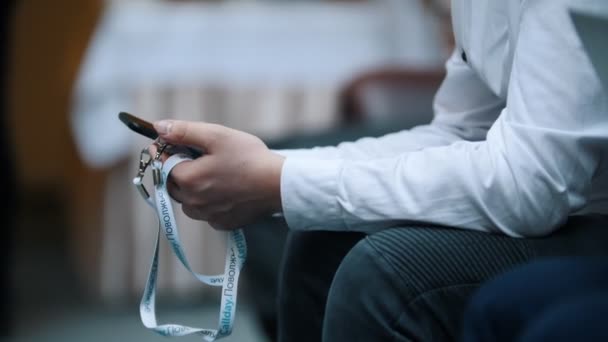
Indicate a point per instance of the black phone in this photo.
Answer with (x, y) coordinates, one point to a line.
(138, 125)
(146, 129)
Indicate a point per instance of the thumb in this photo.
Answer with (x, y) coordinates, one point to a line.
(187, 133)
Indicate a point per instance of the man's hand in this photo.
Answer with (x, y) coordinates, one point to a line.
(236, 181)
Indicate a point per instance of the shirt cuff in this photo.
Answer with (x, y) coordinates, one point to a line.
(309, 194)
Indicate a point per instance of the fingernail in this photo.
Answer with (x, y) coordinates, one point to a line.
(163, 127)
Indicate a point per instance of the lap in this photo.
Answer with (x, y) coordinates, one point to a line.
(426, 274)
(426, 258)
(412, 283)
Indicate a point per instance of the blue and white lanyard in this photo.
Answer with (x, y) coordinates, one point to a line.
(235, 256)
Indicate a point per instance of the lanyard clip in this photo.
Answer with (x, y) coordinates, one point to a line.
(160, 148)
(156, 174)
(144, 160)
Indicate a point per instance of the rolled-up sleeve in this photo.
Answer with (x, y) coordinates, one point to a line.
(535, 166)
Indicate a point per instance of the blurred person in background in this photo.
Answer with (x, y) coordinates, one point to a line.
(556, 299)
(515, 149)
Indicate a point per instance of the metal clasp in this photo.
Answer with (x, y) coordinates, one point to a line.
(144, 160)
(156, 173)
(160, 148)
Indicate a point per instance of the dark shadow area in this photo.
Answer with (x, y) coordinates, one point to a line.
(7, 180)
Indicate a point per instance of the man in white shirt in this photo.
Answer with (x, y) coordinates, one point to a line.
(517, 147)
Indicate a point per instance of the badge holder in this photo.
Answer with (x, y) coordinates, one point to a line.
(236, 253)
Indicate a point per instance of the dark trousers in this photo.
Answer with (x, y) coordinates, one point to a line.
(557, 299)
(405, 283)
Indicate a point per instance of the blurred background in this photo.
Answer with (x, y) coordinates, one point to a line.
(78, 239)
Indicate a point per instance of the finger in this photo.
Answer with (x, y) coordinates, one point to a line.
(175, 192)
(220, 225)
(193, 212)
(187, 175)
(230, 219)
(200, 213)
(225, 224)
(217, 216)
(189, 133)
(215, 212)
(172, 185)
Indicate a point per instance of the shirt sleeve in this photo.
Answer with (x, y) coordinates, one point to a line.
(464, 109)
(534, 168)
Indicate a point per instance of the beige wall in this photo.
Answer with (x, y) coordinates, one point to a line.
(49, 39)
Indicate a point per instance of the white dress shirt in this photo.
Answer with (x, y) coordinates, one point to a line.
(518, 142)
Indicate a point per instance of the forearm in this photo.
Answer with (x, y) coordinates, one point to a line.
(379, 147)
(484, 186)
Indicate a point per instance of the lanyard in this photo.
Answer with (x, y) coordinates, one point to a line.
(235, 255)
